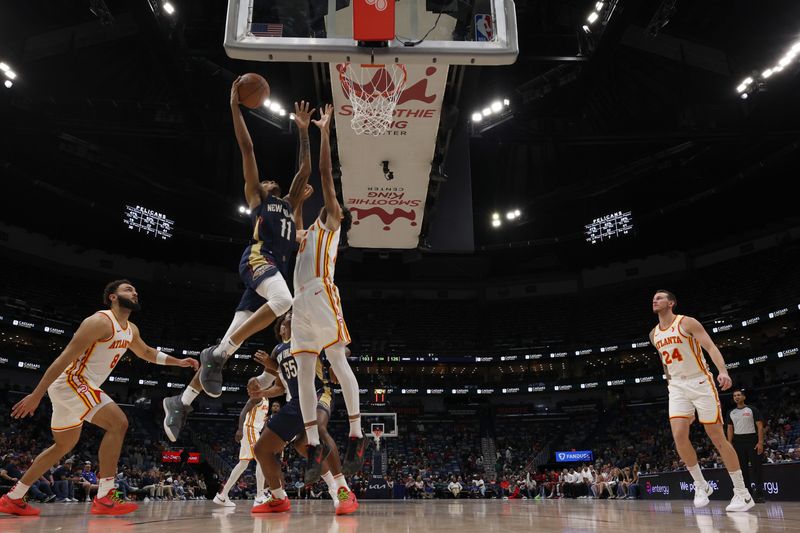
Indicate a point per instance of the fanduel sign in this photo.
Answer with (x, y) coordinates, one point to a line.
(573, 457)
(387, 213)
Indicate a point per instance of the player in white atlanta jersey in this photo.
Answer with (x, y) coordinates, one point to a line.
(317, 321)
(73, 383)
(251, 421)
(680, 341)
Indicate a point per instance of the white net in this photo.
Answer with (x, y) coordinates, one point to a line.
(373, 91)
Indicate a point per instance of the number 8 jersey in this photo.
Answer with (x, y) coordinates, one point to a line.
(681, 353)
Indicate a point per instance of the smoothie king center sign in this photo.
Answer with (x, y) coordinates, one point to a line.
(387, 213)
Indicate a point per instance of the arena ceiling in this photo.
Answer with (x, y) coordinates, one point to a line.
(120, 105)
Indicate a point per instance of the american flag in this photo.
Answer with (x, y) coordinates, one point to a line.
(266, 29)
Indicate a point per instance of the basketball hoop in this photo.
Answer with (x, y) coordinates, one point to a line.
(373, 91)
(376, 435)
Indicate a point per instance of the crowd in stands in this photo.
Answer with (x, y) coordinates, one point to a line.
(430, 458)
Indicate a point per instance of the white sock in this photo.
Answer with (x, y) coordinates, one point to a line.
(106, 485)
(226, 348)
(236, 473)
(278, 494)
(355, 427)
(340, 482)
(18, 490)
(738, 480)
(259, 479)
(306, 372)
(347, 381)
(189, 395)
(697, 475)
(328, 478)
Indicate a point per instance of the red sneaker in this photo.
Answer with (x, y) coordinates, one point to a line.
(113, 506)
(273, 506)
(348, 503)
(18, 507)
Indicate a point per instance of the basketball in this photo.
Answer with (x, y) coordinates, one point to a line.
(253, 90)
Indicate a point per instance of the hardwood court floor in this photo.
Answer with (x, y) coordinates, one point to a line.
(463, 516)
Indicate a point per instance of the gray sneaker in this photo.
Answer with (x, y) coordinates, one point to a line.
(211, 372)
(175, 413)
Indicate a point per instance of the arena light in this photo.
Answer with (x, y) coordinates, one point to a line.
(497, 112)
(267, 103)
(751, 85)
(282, 112)
(593, 17)
(275, 107)
(598, 6)
(169, 8)
(495, 216)
(8, 84)
(744, 96)
(10, 74)
(586, 28)
(4, 67)
(291, 116)
(496, 223)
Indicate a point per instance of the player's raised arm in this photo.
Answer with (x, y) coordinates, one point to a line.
(150, 354)
(252, 188)
(246, 409)
(91, 330)
(297, 215)
(334, 210)
(302, 118)
(694, 328)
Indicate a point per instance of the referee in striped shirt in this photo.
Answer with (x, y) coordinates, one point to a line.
(746, 433)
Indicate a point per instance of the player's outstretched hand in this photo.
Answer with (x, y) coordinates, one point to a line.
(264, 359)
(302, 114)
(235, 92)
(189, 362)
(724, 381)
(324, 122)
(308, 190)
(26, 406)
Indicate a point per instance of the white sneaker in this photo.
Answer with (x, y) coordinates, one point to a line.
(701, 495)
(742, 501)
(219, 499)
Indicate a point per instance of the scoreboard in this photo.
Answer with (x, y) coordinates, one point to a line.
(147, 221)
(609, 227)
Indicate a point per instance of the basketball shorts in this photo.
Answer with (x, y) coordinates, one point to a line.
(317, 320)
(74, 403)
(253, 269)
(694, 393)
(325, 401)
(288, 422)
(250, 435)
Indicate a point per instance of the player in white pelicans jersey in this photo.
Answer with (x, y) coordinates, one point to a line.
(73, 383)
(317, 321)
(680, 341)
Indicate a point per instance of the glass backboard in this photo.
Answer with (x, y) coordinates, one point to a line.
(459, 32)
